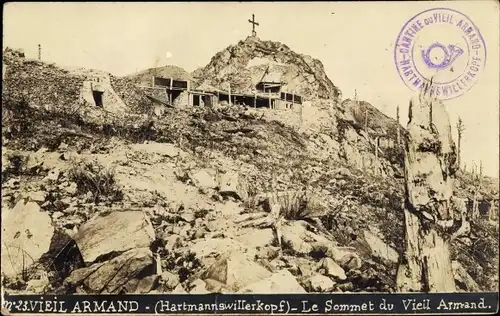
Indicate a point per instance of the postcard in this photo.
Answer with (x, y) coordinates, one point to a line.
(250, 157)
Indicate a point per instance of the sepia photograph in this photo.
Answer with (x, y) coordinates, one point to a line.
(198, 148)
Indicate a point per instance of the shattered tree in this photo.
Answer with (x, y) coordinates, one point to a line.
(430, 166)
(460, 131)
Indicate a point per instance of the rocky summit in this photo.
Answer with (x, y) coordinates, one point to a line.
(252, 60)
(250, 175)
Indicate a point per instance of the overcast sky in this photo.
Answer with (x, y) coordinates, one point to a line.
(355, 42)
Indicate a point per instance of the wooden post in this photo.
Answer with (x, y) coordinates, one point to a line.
(230, 102)
(152, 81)
(255, 100)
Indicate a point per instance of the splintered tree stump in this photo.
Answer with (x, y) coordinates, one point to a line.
(430, 166)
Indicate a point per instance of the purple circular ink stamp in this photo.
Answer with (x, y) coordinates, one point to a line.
(443, 45)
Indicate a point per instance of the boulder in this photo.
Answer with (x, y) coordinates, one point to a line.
(280, 282)
(321, 283)
(350, 261)
(71, 189)
(179, 290)
(53, 175)
(38, 196)
(199, 287)
(204, 178)
(37, 286)
(214, 286)
(172, 242)
(122, 273)
(380, 248)
(232, 184)
(347, 259)
(115, 232)
(293, 236)
(206, 247)
(187, 216)
(142, 285)
(26, 235)
(255, 238)
(333, 269)
(236, 270)
(170, 280)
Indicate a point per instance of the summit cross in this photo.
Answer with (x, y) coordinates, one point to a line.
(253, 25)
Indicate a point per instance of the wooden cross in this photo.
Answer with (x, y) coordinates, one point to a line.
(253, 25)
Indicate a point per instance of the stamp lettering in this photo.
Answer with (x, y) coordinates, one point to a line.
(443, 45)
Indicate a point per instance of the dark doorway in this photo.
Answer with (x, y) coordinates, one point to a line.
(172, 95)
(196, 100)
(262, 103)
(207, 100)
(223, 97)
(97, 98)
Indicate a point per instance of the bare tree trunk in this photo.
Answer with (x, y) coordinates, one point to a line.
(366, 120)
(430, 165)
(491, 211)
(475, 205)
(460, 130)
(398, 129)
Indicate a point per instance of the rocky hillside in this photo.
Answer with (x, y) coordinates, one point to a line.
(144, 77)
(44, 85)
(243, 65)
(187, 202)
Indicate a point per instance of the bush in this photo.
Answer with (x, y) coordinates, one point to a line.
(298, 205)
(294, 206)
(91, 176)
